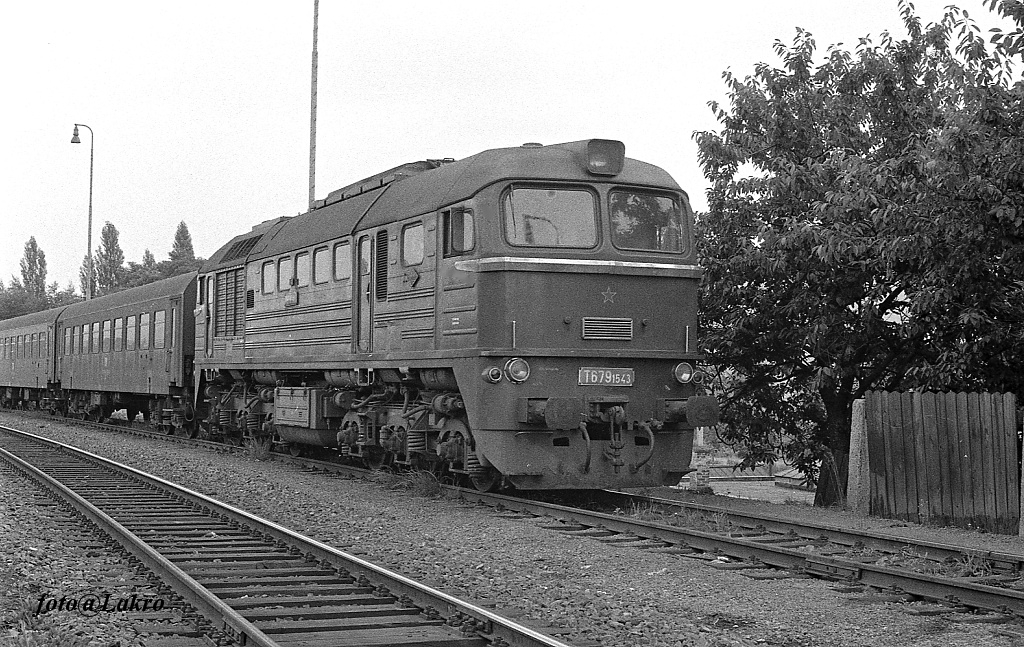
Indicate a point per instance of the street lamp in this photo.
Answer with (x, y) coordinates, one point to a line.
(92, 270)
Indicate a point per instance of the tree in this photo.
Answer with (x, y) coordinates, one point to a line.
(109, 260)
(83, 277)
(33, 269)
(141, 274)
(862, 234)
(56, 297)
(181, 258)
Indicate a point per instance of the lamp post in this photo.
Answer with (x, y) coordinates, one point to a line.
(92, 270)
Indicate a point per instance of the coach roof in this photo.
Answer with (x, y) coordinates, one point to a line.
(102, 306)
(33, 319)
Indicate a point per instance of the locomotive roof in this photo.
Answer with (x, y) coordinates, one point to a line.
(163, 288)
(422, 187)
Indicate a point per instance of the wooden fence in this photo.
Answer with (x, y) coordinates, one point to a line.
(946, 458)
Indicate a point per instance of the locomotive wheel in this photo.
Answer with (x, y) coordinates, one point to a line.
(486, 481)
(295, 450)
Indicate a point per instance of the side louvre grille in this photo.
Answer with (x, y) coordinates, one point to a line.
(382, 265)
(607, 328)
(229, 307)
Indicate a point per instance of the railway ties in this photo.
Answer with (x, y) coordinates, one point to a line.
(254, 581)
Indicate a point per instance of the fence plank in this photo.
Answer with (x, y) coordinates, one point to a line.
(877, 457)
(1009, 414)
(934, 459)
(965, 453)
(997, 450)
(893, 425)
(978, 472)
(951, 449)
(910, 455)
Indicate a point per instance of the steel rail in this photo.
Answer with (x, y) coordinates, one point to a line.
(836, 534)
(489, 623)
(209, 605)
(933, 587)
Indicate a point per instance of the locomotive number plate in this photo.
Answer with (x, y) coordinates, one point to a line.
(593, 376)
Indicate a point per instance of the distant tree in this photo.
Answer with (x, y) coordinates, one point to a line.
(182, 249)
(33, 269)
(110, 268)
(56, 297)
(141, 274)
(182, 258)
(83, 277)
(15, 301)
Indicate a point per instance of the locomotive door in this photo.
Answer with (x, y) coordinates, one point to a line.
(362, 296)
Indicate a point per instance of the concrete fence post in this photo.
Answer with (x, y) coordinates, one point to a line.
(858, 489)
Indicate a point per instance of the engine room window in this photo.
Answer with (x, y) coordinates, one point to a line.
(284, 274)
(412, 244)
(321, 265)
(550, 218)
(302, 269)
(342, 261)
(646, 222)
(268, 278)
(458, 231)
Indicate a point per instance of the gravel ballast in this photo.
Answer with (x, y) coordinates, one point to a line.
(591, 591)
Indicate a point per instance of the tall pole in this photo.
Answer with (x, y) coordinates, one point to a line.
(312, 111)
(92, 269)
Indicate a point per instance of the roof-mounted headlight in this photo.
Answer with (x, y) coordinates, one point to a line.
(605, 156)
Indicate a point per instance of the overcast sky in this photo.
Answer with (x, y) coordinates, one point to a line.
(201, 108)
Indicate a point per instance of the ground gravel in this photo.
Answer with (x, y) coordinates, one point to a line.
(580, 588)
(48, 556)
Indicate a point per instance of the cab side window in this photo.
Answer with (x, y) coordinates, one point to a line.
(457, 231)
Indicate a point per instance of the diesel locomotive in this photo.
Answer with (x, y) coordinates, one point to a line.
(525, 317)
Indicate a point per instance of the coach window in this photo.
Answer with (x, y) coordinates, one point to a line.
(158, 328)
(105, 335)
(342, 261)
(119, 334)
(302, 269)
(539, 217)
(131, 334)
(268, 278)
(94, 342)
(412, 244)
(80, 333)
(144, 332)
(170, 329)
(457, 230)
(284, 273)
(321, 265)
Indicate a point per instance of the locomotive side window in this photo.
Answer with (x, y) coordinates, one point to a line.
(158, 328)
(144, 334)
(550, 217)
(321, 265)
(302, 269)
(342, 261)
(457, 231)
(132, 333)
(412, 244)
(284, 273)
(646, 222)
(268, 278)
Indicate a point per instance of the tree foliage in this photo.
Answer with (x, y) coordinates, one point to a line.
(864, 232)
(110, 270)
(33, 269)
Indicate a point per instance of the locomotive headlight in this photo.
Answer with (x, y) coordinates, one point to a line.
(492, 374)
(517, 370)
(683, 372)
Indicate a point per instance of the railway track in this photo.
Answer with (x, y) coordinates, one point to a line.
(954, 579)
(258, 583)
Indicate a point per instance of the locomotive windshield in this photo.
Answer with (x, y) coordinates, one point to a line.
(551, 217)
(646, 222)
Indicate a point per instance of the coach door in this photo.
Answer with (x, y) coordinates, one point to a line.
(362, 295)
